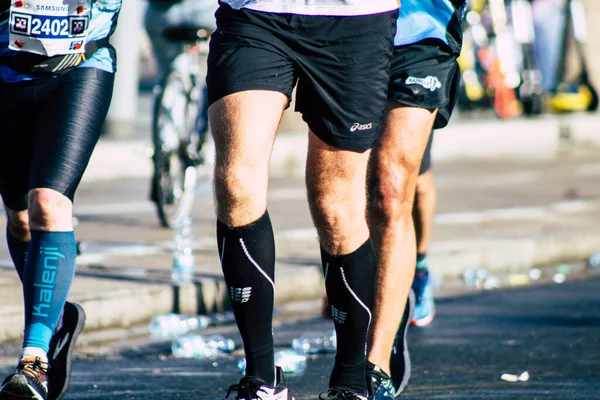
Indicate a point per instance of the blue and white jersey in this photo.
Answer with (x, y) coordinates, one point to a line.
(317, 7)
(102, 23)
(430, 19)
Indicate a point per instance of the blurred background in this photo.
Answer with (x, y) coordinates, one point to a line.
(515, 245)
(520, 58)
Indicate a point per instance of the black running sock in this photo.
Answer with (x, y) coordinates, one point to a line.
(421, 256)
(18, 252)
(350, 285)
(247, 256)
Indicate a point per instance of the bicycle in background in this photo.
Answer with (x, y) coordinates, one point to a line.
(180, 126)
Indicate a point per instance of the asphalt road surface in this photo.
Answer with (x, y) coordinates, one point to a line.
(551, 331)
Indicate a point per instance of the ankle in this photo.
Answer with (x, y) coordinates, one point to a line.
(31, 351)
(422, 261)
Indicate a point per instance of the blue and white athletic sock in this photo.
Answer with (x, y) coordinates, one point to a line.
(49, 272)
(34, 352)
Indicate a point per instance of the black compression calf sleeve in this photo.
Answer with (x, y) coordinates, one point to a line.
(350, 285)
(247, 256)
(18, 252)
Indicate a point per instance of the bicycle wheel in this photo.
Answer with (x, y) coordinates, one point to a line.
(198, 104)
(170, 134)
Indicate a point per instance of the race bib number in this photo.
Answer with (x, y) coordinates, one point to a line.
(49, 27)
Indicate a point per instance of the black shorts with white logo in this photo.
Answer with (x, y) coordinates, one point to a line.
(426, 75)
(50, 127)
(341, 65)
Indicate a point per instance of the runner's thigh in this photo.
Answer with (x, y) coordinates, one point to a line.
(68, 124)
(17, 113)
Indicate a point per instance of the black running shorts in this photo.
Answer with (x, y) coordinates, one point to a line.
(426, 75)
(49, 129)
(341, 65)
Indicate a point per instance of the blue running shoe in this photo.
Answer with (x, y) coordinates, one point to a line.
(424, 306)
(379, 384)
(400, 358)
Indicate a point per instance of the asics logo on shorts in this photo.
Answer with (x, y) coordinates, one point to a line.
(240, 295)
(360, 127)
(431, 82)
(338, 316)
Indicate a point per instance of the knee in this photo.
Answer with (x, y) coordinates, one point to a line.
(240, 192)
(327, 212)
(391, 192)
(337, 220)
(18, 224)
(240, 180)
(49, 210)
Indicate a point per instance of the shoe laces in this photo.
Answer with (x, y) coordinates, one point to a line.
(248, 388)
(340, 393)
(377, 378)
(34, 367)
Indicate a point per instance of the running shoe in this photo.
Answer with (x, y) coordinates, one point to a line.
(30, 381)
(424, 306)
(61, 349)
(400, 358)
(341, 393)
(253, 388)
(379, 383)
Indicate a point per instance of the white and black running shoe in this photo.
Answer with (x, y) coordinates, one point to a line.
(341, 393)
(253, 388)
(61, 349)
(30, 381)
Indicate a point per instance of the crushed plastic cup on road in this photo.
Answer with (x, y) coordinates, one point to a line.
(509, 378)
(475, 278)
(480, 278)
(535, 274)
(559, 278)
(202, 346)
(524, 377)
(170, 326)
(316, 343)
(491, 282)
(290, 361)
